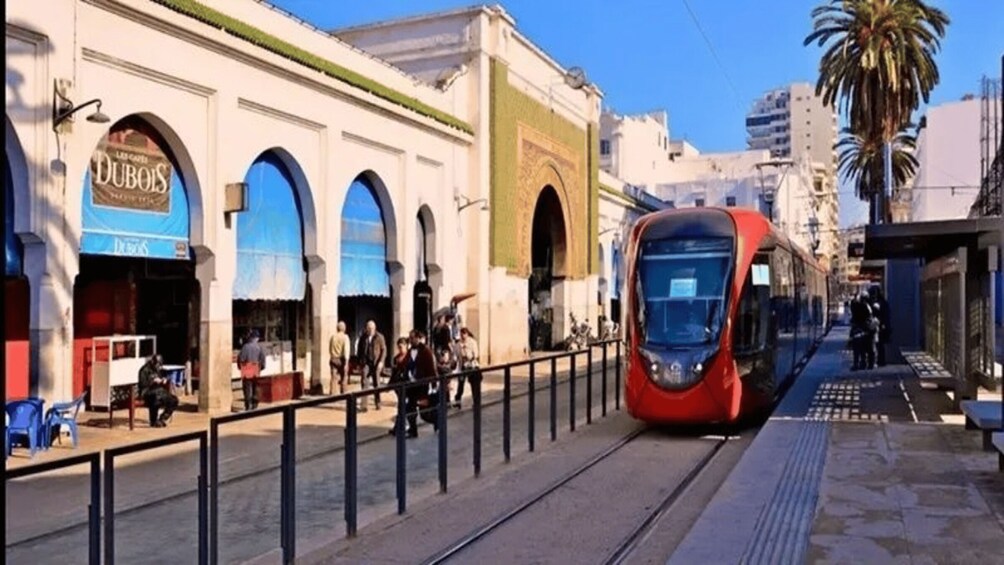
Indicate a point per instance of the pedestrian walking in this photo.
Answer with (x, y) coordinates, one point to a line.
(251, 362)
(156, 392)
(422, 366)
(374, 356)
(863, 334)
(340, 348)
(469, 361)
(880, 309)
(400, 376)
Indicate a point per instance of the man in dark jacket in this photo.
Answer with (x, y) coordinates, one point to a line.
(862, 334)
(251, 362)
(421, 365)
(154, 391)
(880, 309)
(374, 356)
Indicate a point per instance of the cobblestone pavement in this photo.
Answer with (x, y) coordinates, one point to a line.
(165, 531)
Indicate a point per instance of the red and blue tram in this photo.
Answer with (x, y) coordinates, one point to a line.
(722, 308)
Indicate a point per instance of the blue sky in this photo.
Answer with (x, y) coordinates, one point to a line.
(649, 54)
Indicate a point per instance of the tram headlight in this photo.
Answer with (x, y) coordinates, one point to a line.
(667, 373)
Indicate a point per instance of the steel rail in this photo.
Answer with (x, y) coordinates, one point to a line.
(473, 537)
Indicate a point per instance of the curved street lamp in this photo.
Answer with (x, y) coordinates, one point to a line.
(63, 108)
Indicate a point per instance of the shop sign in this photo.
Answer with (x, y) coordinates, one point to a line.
(129, 170)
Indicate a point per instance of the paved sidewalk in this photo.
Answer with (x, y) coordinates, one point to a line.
(862, 467)
(95, 434)
(157, 486)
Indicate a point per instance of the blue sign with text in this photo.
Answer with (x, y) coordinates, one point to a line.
(134, 201)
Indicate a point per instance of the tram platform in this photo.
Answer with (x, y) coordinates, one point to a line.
(856, 467)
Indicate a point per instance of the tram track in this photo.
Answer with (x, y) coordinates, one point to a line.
(627, 545)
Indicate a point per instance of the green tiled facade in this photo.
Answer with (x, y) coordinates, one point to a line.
(513, 187)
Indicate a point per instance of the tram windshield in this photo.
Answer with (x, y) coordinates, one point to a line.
(682, 290)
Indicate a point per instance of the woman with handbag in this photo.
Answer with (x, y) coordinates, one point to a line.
(468, 362)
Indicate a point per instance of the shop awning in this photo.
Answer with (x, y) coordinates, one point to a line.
(364, 244)
(134, 201)
(270, 236)
(12, 246)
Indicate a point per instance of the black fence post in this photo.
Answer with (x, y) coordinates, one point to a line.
(571, 392)
(214, 491)
(554, 398)
(94, 513)
(444, 392)
(530, 425)
(203, 500)
(589, 384)
(109, 509)
(476, 391)
(400, 427)
(604, 379)
(506, 410)
(617, 376)
(288, 478)
(350, 466)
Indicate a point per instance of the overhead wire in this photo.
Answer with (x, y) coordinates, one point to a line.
(714, 54)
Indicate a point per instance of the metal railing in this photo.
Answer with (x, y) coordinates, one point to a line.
(209, 483)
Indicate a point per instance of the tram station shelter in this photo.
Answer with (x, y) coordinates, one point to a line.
(942, 281)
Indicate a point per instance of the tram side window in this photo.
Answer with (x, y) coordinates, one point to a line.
(753, 319)
(783, 290)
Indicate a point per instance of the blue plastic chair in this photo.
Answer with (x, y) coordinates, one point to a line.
(25, 420)
(64, 413)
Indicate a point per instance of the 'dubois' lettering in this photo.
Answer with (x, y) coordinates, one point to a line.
(131, 176)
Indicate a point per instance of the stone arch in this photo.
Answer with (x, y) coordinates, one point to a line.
(428, 220)
(304, 196)
(549, 176)
(17, 162)
(390, 224)
(186, 168)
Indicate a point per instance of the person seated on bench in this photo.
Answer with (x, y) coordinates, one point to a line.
(156, 392)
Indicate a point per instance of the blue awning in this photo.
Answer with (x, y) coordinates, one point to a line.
(364, 244)
(270, 236)
(134, 200)
(12, 245)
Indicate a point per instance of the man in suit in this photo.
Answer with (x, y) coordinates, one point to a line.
(421, 366)
(374, 356)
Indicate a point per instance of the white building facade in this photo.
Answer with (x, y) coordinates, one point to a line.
(792, 123)
(355, 177)
(948, 158)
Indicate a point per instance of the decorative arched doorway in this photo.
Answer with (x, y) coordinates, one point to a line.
(16, 301)
(423, 296)
(136, 276)
(270, 284)
(617, 275)
(548, 260)
(364, 289)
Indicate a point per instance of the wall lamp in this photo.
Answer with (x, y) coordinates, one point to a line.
(467, 203)
(63, 108)
(608, 230)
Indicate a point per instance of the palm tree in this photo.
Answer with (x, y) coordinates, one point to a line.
(861, 162)
(879, 63)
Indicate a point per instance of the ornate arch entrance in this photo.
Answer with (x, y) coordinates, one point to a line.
(548, 268)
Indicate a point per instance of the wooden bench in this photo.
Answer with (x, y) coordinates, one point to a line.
(930, 372)
(983, 415)
(998, 441)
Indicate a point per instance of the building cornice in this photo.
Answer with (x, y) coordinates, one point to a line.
(346, 84)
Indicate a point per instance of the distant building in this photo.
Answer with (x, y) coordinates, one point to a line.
(791, 122)
(948, 154)
(635, 148)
